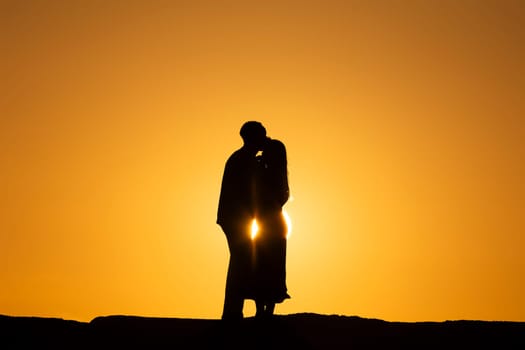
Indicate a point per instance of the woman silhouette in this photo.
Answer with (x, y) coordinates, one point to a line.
(270, 242)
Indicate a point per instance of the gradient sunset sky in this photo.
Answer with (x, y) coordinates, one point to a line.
(404, 123)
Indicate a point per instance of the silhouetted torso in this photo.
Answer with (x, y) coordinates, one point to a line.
(237, 197)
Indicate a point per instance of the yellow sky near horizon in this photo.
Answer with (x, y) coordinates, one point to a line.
(404, 125)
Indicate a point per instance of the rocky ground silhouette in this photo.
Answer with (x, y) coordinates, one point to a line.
(294, 331)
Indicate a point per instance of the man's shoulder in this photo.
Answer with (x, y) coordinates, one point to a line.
(236, 156)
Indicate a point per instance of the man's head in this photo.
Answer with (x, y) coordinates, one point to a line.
(253, 134)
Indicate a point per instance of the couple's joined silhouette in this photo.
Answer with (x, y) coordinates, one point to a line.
(255, 186)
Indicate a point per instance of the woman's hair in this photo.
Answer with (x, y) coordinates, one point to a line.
(275, 154)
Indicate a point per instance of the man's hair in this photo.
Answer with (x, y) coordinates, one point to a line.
(252, 130)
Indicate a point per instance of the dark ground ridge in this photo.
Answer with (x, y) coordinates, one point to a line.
(294, 331)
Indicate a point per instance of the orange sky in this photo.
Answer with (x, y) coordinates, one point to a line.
(404, 123)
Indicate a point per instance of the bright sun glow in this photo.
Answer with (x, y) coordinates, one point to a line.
(254, 228)
(288, 224)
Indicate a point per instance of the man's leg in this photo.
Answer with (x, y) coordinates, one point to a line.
(235, 280)
(233, 303)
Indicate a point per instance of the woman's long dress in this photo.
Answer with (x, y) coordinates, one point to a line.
(270, 242)
(270, 259)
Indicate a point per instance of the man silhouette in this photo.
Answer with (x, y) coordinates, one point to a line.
(235, 213)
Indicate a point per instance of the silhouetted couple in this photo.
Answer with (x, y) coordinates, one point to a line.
(255, 187)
